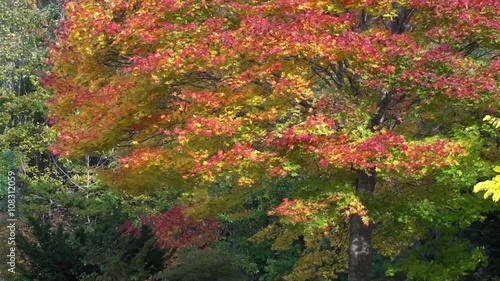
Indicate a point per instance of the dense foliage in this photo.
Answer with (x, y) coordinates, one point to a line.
(259, 140)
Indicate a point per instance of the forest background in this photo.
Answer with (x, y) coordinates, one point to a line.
(395, 133)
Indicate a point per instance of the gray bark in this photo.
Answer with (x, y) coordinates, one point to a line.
(360, 235)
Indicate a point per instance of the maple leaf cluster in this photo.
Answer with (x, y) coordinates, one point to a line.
(212, 87)
(297, 211)
(174, 230)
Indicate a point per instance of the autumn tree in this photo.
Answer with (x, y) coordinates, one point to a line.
(196, 92)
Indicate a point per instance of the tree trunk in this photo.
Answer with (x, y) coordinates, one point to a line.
(360, 235)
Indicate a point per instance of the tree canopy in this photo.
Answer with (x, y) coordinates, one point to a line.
(353, 100)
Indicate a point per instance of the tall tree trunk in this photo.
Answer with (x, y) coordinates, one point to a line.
(360, 235)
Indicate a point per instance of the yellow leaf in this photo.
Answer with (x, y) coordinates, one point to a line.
(491, 188)
(497, 169)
